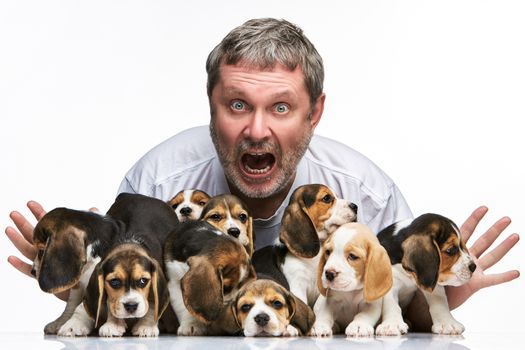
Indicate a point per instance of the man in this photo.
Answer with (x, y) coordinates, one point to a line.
(265, 89)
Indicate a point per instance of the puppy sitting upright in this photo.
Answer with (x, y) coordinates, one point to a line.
(426, 253)
(232, 217)
(128, 288)
(313, 213)
(188, 204)
(354, 273)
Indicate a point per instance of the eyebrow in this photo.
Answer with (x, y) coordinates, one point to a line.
(283, 94)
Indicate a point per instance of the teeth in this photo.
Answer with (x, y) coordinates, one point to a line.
(256, 171)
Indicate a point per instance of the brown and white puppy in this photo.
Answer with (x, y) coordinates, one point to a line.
(128, 287)
(314, 211)
(188, 204)
(205, 268)
(426, 253)
(264, 308)
(70, 243)
(354, 273)
(231, 216)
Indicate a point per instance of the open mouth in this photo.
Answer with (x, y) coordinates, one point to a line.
(255, 163)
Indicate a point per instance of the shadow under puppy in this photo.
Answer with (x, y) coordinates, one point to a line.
(128, 289)
(314, 212)
(205, 268)
(426, 253)
(354, 274)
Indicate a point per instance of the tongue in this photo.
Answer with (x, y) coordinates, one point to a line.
(258, 162)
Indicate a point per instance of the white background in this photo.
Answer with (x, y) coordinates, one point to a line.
(433, 92)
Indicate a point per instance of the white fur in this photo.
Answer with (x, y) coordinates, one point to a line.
(273, 328)
(341, 214)
(301, 274)
(80, 324)
(132, 296)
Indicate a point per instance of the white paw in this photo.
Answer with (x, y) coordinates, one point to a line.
(392, 328)
(359, 329)
(75, 327)
(145, 331)
(110, 329)
(321, 330)
(451, 327)
(290, 331)
(191, 328)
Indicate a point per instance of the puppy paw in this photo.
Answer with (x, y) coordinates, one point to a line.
(392, 328)
(53, 327)
(191, 328)
(449, 328)
(110, 329)
(321, 330)
(290, 331)
(359, 329)
(74, 328)
(145, 331)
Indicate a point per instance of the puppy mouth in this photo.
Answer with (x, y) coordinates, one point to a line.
(257, 163)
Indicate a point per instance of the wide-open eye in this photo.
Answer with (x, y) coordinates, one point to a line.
(243, 217)
(352, 257)
(277, 304)
(115, 283)
(327, 198)
(452, 251)
(238, 105)
(141, 283)
(281, 108)
(246, 307)
(215, 217)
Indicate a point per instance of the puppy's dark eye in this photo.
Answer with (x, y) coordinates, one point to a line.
(216, 217)
(328, 198)
(115, 283)
(202, 203)
(227, 289)
(246, 307)
(277, 304)
(328, 252)
(452, 251)
(174, 206)
(243, 218)
(352, 257)
(141, 283)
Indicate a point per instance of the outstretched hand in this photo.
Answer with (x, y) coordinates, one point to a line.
(458, 295)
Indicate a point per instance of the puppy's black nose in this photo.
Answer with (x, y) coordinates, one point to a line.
(330, 275)
(234, 231)
(131, 307)
(186, 211)
(353, 206)
(262, 319)
(472, 267)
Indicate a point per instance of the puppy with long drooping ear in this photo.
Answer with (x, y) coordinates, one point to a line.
(231, 216)
(205, 268)
(188, 204)
(70, 243)
(263, 307)
(426, 253)
(354, 274)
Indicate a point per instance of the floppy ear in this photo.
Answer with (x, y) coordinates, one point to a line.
(251, 237)
(320, 269)
(159, 286)
(298, 232)
(378, 272)
(422, 258)
(63, 260)
(301, 315)
(95, 297)
(228, 321)
(202, 289)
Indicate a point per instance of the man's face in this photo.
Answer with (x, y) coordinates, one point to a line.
(261, 124)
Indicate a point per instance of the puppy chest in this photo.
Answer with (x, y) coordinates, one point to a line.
(175, 270)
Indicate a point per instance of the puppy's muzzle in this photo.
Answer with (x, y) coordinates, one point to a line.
(262, 319)
(131, 307)
(234, 231)
(330, 275)
(186, 211)
(353, 206)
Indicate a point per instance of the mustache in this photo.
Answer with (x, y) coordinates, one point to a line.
(246, 146)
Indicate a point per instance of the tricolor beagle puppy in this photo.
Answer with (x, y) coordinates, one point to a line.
(264, 308)
(231, 216)
(205, 268)
(426, 253)
(188, 204)
(70, 243)
(128, 289)
(314, 211)
(354, 273)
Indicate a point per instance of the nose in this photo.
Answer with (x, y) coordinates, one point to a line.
(186, 211)
(131, 307)
(262, 319)
(330, 275)
(257, 128)
(353, 206)
(234, 231)
(472, 267)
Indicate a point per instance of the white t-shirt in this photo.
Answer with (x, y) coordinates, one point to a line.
(188, 161)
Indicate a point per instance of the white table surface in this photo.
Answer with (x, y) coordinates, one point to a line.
(407, 342)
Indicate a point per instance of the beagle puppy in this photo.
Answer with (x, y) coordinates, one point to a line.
(231, 216)
(264, 308)
(188, 204)
(86, 237)
(354, 273)
(314, 212)
(127, 288)
(426, 253)
(204, 268)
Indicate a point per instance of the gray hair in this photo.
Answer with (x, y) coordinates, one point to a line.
(261, 43)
